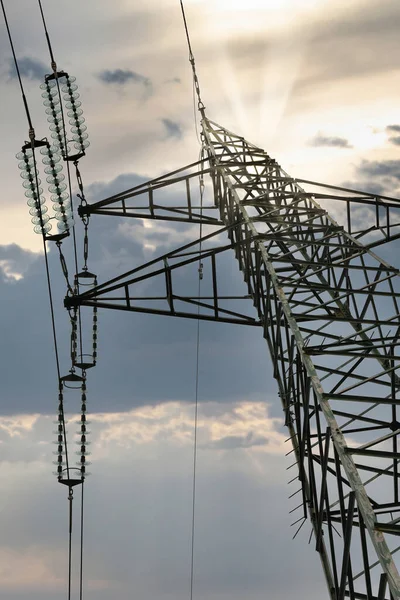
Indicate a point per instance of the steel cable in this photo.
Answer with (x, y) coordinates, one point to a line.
(54, 332)
(200, 106)
(54, 67)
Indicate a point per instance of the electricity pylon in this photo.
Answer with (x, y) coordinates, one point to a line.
(328, 308)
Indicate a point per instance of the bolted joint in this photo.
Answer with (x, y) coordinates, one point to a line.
(71, 302)
(84, 210)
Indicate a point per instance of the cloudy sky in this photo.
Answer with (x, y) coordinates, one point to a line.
(314, 82)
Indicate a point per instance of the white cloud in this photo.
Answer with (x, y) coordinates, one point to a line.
(173, 422)
(138, 507)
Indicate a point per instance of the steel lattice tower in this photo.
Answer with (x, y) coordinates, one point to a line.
(328, 308)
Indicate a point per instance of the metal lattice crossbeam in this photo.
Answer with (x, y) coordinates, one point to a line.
(329, 311)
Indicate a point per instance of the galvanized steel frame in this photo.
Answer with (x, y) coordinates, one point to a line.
(329, 310)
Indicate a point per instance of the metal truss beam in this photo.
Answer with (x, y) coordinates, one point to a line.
(178, 188)
(119, 293)
(171, 198)
(329, 311)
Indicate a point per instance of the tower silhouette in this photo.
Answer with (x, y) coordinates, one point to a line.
(328, 308)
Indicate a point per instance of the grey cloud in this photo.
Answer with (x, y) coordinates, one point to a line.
(14, 261)
(379, 177)
(174, 130)
(383, 168)
(143, 359)
(334, 142)
(99, 190)
(123, 76)
(393, 139)
(173, 80)
(231, 442)
(30, 68)
(372, 187)
(393, 128)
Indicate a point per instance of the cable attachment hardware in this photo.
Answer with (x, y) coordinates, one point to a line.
(51, 96)
(83, 443)
(76, 121)
(74, 336)
(95, 330)
(63, 472)
(72, 381)
(81, 195)
(85, 244)
(60, 462)
(87, 361)
(64, 267)
(60, 198)
(36, 201)
(30, 174)
(60, 91)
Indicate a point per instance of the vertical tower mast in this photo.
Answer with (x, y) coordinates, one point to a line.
(329, 310)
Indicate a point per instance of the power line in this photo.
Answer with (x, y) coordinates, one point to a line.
(200, 104)
(81, 557)
(56, 77)
(201, 108)
(53, 62)
(70, 500)
(28, 116)
(200, 270)
(33, 144)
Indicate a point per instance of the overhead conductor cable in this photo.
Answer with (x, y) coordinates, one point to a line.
(201, 109)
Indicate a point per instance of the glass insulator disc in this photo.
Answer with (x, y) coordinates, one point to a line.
(53, 170)
(57, 197)
(46, 228)
(53, 189)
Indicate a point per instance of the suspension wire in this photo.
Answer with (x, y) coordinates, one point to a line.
(53, 62)
(32, 140)
(28, 116)
(57, 359)
(64, 267)
(200, 104)
(81, 558)
(54, 67)
(201, 108)
(195, 114)
(70, 499)
(79, 319)
(61, 397)
(200, 271)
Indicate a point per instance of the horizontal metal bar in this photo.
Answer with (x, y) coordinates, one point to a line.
(154, 217)
(362, 398)
(388, 528)
(375, 453)
(72, 301)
